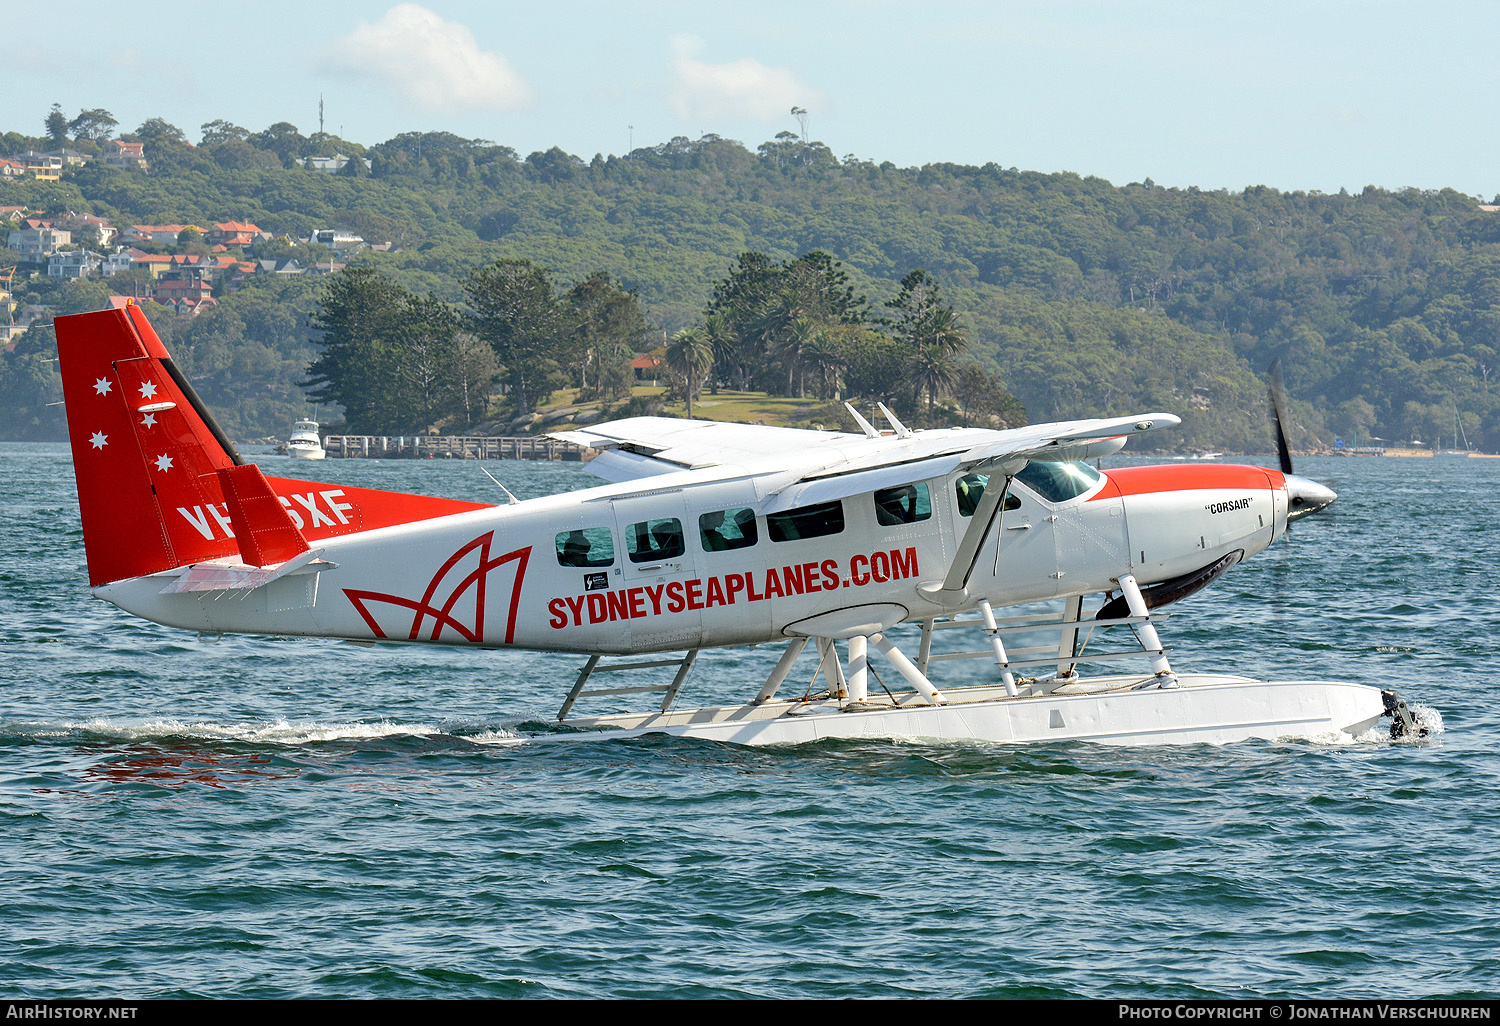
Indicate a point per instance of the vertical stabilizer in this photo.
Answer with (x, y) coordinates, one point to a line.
(143, 448)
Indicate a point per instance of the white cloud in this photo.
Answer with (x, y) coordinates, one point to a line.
(739, 89)
(431, 64)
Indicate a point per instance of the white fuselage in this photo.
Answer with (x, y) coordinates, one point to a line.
(497, 576)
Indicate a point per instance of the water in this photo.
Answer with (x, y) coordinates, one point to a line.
(271, 817)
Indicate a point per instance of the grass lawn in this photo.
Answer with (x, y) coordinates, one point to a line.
(739, 407)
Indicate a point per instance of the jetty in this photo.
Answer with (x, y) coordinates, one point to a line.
(452, 447)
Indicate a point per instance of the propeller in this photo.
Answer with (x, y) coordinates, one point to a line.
(1304, 495)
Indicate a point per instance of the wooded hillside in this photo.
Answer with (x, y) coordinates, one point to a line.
(1087, 298)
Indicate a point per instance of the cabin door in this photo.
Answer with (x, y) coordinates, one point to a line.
(658, 577)
(1025, 550)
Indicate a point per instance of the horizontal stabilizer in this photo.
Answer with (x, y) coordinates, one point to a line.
(226, 575)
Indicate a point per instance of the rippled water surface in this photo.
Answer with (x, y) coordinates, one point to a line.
(274, 817)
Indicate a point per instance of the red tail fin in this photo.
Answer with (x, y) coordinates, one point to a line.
(154, 470)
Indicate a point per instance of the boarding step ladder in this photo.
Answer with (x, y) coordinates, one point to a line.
(669, 691)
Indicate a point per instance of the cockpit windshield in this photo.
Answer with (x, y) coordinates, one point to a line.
(1058, 482)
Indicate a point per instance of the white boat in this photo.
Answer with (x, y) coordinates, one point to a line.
(305, 444)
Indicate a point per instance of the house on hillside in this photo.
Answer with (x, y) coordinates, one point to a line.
(154, 264)
(336, 239)
(331, 165)
(71, 158)
(74, 222)
(43, 166)
(125, 154)
(11, 169)
(122, 259)
(173, 291)
(284, 266)
(236, 233)
(73, 263)
(36, 239)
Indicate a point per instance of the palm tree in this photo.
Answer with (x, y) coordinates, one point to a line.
(690, 356)
(933, 370)
(942, 329)
(825, 358)
(790, 346)
(726, 347)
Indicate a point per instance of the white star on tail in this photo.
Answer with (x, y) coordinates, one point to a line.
(99, 439)
(148, 390)
(149, 420)
(102, 386)
(163, 463)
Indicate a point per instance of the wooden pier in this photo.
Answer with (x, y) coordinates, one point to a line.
(453, 447)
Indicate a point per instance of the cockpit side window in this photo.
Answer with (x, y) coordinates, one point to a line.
(1058, 482)
(969, 489)
(589, 546)
(905, 504)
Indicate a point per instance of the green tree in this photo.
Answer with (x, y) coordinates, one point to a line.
(282, 139)
(57, 125)
(516, 311)
(95, 125)
(357, 322)
(158, 132)
(221, 131)
(607, 327)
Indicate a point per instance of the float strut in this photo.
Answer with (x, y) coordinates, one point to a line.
(1150, 641)
(859, 668)
(783, 667)
(908, 669)
(1001, 659)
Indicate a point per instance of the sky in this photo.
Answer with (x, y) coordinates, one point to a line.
(1309, 95)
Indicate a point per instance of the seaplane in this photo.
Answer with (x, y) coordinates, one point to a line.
(707, 535)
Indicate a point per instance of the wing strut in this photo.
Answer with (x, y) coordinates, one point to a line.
(864, 425)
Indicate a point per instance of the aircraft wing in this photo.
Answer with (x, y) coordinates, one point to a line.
(925, 455)
(1066, 440)
(644, 446)
(831, 464)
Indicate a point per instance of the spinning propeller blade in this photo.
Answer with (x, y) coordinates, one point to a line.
(1304, 496)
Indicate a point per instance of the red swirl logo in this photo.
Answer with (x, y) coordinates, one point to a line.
(466, 575)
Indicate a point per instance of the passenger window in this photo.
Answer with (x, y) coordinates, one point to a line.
(591, 546)
(727, 529)
(806, 522)
(970, 489)
(904, 505)
(1058, 482)
(654, 539)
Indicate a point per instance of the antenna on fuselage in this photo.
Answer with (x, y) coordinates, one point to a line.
(864, 425)
(513, 499)
(902, 431)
